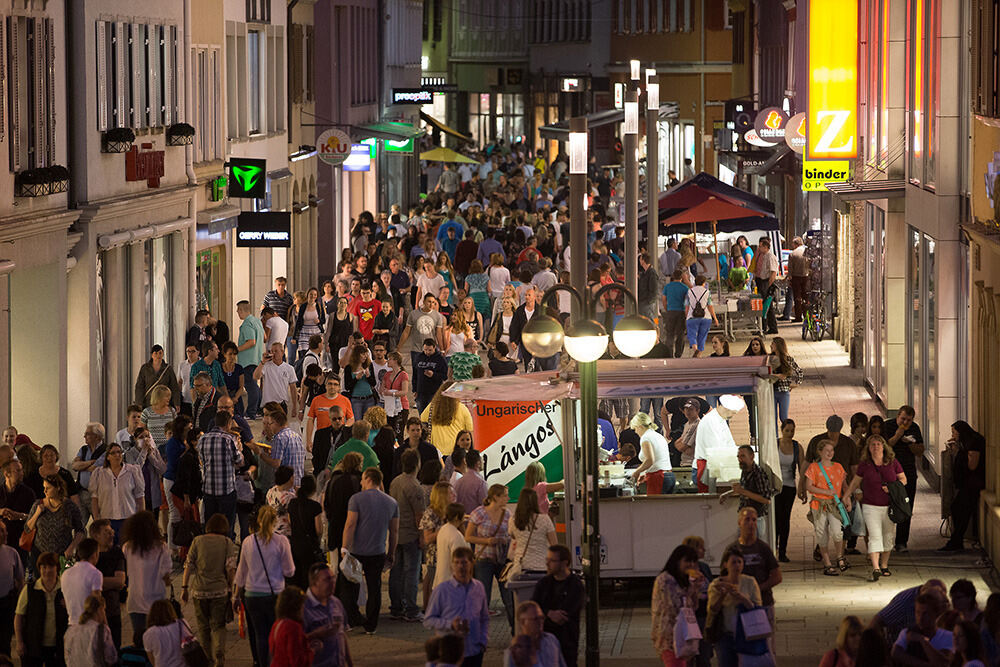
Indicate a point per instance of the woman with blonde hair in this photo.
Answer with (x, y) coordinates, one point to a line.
(447, 417)
(382, 439)
(430, 523)
(88, 642)
(472, 317)
(477, 287)
(500, 329)
(878, 468)
(265, 561)
(534, 478)
(499, 275)
(443, 266)
(456, 333)
(159, 413)
(360, 381)
(848, 642)
(654, 456)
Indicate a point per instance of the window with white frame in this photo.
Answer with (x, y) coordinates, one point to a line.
(256, 81)
(138, 67)
(31, 92)
(207, 104)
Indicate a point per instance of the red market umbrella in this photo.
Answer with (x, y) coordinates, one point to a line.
(689, 196)
(713, 209)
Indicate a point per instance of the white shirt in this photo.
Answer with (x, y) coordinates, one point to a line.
(117, 496)
(263, 577)
(123, 438)
(661, 451)
(668, 261)
(449, 538)
(77, 583)
(713, 431)
(80, 645)
(279, 331)
(274, 381)
(163, 643)
(184, 378)
(499, 277)
(145, 577)
(543, 280)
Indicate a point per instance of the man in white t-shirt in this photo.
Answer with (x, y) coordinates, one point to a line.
(79, 581)
(277, 379)
(713, 432)
(275, 327)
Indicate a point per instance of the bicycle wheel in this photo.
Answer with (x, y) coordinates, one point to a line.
(819, 324)
(805, 324)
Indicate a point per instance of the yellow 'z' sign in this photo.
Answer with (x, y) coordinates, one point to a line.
(833, 80)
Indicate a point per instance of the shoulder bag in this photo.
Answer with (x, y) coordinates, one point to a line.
(512, 569)
(192, 651)
(845, 520)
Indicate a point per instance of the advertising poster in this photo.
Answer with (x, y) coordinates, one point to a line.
(513, 434)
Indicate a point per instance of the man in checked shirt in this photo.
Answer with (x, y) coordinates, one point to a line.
(221, 456)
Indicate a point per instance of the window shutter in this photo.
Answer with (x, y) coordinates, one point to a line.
(123, 100)
(153, 53)
(137, 43)
(18, 102)
(102, 76)
(171, 113)
(295, 66)
(311, 61)
(50, 85)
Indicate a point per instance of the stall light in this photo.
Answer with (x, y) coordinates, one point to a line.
(542, 336)
(578, 152)
(634, 335)
(634, 66)
(653, 96)
(631, 118)
(586, 340)
(303, 153)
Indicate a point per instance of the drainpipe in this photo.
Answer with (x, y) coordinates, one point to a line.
(288, 60)
(188, 93)
(698, 139)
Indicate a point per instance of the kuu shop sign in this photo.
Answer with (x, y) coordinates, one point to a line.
(832, 127)
(512, 434)
(333, 147)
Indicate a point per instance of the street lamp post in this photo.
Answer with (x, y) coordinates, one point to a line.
(578, 206)
(586, 340)
(652, 165)
(630, 145)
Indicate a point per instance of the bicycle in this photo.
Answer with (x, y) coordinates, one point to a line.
(814, 320)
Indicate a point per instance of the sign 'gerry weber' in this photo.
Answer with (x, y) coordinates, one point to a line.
(513, 434)
(264, 230)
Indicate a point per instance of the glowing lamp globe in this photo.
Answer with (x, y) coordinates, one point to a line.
(542, 336)
(586, 340)
(635, 335)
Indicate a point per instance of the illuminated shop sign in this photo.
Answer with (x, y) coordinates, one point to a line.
(264, 230)
(815, 175)
(832, 128)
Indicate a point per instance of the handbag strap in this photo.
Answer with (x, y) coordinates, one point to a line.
(157, 380)
(263, 564)
(526, 544)
(836, 498)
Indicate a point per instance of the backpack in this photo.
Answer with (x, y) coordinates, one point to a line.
(300, 365)
(699, 310)
(899, 502)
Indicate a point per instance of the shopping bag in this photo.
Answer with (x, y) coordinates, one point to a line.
(755, 624)
(857, 520)
(351, 568)
(687, 634)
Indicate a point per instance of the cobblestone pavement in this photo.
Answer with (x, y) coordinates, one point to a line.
(809, 605)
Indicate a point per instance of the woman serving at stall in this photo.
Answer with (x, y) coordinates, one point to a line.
(654, 456)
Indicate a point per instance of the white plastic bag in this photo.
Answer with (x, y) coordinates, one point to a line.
(351, 568)
(686, 634)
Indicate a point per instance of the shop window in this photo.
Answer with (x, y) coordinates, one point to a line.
(31, 93)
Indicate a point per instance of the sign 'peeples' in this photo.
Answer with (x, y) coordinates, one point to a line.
(832, 130)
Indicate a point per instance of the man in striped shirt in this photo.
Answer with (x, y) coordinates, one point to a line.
(279, 299)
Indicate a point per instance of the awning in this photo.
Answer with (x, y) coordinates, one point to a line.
(560, 131)
(430, 120)
(626, 378)
(219, 219)
(280, 174)
(869, 190)
(387, 131)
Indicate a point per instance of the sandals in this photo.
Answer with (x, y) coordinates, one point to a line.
(831, 571)
(843, 564)
(886, 572)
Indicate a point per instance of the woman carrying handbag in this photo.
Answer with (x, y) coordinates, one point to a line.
(532, 533)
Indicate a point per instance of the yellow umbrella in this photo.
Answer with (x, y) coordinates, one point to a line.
(441, 154)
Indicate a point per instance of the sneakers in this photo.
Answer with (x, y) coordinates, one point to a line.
(395, 616)
(415, 618)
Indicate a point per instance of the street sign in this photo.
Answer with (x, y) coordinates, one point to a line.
(333, 147)
(247, 178)
(754, 139)
(360, 158)
(264, 230)
(832, 131)
(795, 133)
(412, 96)
(816, 174)
(770, 124)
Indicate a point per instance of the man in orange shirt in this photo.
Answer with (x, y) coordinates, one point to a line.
(321, 419)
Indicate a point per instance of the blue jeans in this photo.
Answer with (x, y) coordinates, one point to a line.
(652, 406)
(360, 405)
(485, 572)
(226, 506)
(404, 579)
(697, 329)
(259, 612)
(782, 399)
(253, 392)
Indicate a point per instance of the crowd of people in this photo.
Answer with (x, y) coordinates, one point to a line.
(282, 467)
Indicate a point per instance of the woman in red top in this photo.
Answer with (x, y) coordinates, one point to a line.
(288, 643)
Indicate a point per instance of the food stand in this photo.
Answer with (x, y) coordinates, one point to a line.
(638, 531)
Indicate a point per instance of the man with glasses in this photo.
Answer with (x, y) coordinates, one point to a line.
(206, 399)
(251, 348)
(321, 418)
(16, 500)
(380, 365)
(90, 456)
(561, 595)
(220, 456)
(226, 404)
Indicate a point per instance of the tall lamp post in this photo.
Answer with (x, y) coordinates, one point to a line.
(585, 340)
(630, 146)
(578, 206)
(652, 165)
